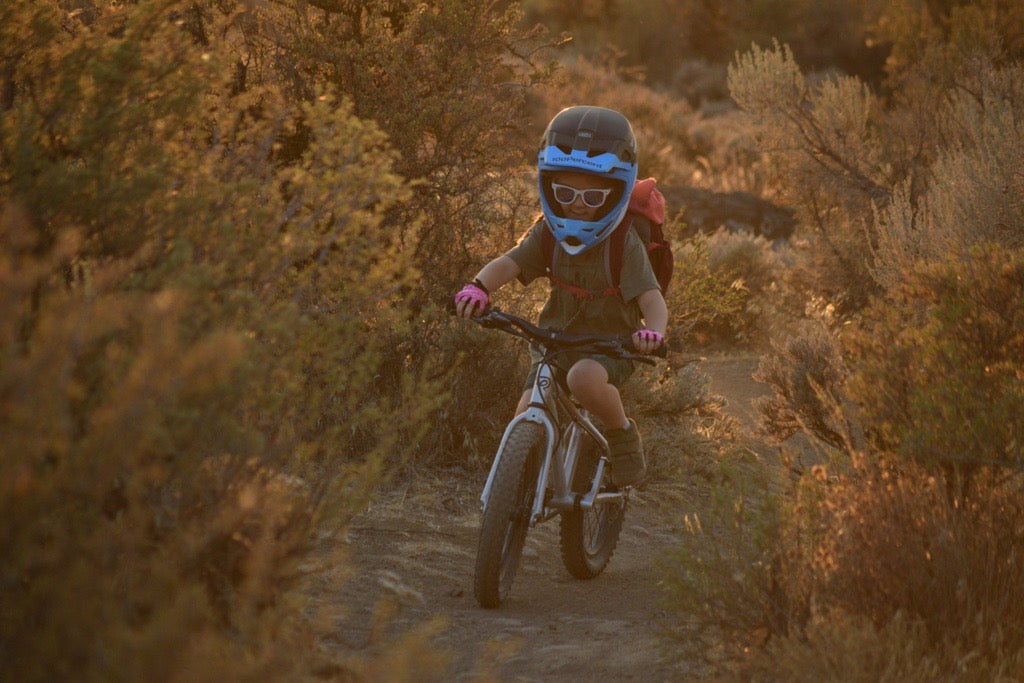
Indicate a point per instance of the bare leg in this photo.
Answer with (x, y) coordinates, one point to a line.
(588, 382)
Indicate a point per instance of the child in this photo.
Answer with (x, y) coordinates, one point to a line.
(587, 167)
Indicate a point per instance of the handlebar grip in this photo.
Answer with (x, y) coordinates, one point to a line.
(450, 308)
(660, 352)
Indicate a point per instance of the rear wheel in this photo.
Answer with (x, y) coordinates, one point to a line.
(506, 517)
(589, 536)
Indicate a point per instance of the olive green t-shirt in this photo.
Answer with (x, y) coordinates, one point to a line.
(601, 315)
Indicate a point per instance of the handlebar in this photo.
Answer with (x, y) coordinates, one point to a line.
(613, 346)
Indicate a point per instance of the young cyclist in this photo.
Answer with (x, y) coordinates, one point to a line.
(587, 167)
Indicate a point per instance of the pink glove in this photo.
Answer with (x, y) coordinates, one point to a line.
(473, 295)
(650, 336)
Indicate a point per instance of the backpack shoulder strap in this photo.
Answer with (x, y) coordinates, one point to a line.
(616, 247)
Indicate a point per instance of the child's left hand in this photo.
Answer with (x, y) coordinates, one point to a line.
(646, 340)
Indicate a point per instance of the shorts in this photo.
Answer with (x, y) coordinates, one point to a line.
(619, 369)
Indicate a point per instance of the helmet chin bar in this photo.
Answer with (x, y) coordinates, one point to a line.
(593, 141)
(573, 246)
(578, 236)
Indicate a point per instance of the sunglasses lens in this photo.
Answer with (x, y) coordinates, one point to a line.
(594, 198)
(565, 194)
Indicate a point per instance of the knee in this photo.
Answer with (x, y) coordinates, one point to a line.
(524, 403)
(586, 376)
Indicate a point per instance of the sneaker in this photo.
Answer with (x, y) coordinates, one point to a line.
(626, 455)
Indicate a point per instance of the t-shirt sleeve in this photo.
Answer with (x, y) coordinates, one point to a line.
(528, 255)
(637, 276)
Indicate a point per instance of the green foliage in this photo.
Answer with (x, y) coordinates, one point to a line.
(447, 81)
(197, 340)
(945, 349)
(704, 303)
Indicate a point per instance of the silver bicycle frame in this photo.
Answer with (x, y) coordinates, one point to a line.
(547, 404)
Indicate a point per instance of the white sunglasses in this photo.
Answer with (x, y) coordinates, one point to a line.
(592, 197)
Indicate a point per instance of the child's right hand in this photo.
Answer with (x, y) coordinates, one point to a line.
(647, 340)
(471, 300)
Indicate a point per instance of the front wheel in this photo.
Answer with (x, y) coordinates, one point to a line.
(589, 536)
(506, 517)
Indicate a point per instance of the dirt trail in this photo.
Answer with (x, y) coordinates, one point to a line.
(416, 546)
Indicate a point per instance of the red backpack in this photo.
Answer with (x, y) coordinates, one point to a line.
(645, 215)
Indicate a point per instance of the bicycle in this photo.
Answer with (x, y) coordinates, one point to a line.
(551, 461)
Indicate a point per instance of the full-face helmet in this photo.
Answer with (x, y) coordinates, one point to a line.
(595, 141)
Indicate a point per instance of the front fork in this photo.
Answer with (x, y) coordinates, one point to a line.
(560, 454)
(538, 411)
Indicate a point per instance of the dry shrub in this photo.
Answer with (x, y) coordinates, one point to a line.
(826, 142)
(976, 183)
(838, 647)
(677, 145)
(770, 306)
(900, 558)
(719, 581)
(488, 371)
(807, 377)
(922, 542)
(447, 81)
(487, 368)
(748, 256)
(880, 183)
(679, 418)
(731, 290)
(890, 547)
(139, 518)
(699, 81)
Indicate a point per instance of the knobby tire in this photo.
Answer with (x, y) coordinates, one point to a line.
(506, 518)
(588, 536)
